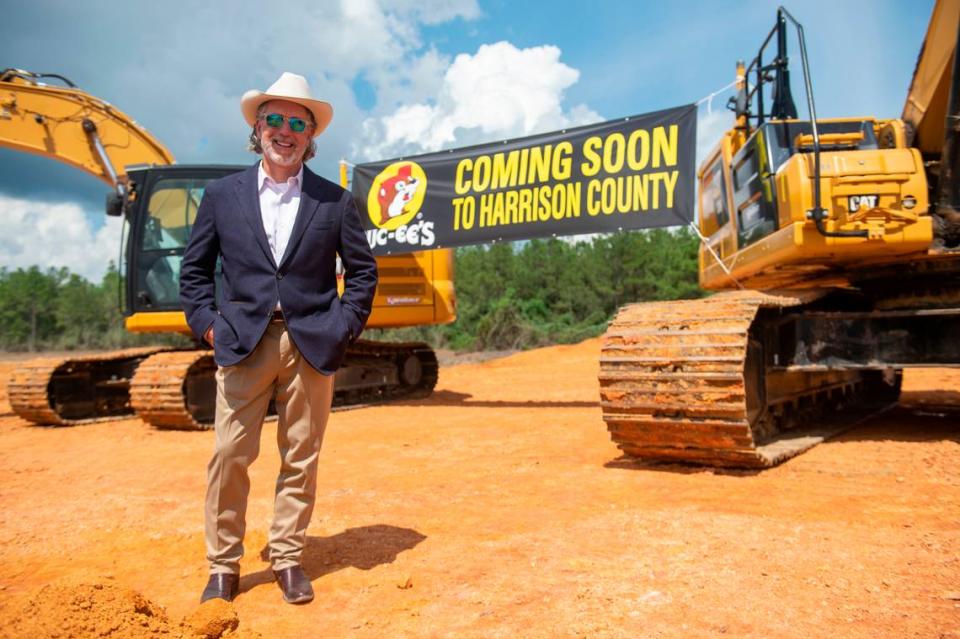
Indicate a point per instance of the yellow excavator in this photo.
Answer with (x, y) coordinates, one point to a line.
(838, 245)
(158, 200)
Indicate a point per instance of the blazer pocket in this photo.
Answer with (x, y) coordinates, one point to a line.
(321, 224)
(337, 309)
(223, 332)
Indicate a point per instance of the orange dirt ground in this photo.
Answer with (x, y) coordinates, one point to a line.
(500, 508)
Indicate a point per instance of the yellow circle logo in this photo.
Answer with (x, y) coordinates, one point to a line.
(396, 195)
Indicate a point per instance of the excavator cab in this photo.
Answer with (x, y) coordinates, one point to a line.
(160, 213)
(773, 144)
(787, 202)
(160, 231)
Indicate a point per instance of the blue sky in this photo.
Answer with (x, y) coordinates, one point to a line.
(406, 77)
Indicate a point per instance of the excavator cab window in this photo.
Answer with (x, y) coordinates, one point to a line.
(171, 211)
(168, 202)
(713, 198)
(754, 192)
(796, 136)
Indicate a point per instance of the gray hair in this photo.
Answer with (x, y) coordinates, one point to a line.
(253, 142)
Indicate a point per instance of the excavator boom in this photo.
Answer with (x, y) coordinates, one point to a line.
(72, 126)
(925, 109)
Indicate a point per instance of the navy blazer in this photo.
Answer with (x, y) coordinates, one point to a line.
(229, 227)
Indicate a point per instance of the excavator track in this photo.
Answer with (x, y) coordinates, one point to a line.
(374, 372)
(685, 381)
(75, 390)
(177, 389)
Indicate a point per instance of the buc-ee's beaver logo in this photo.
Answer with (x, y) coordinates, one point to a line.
(396, 195)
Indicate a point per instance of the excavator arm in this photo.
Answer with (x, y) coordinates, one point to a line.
(925, 108)
(70, 125)
(932, 115)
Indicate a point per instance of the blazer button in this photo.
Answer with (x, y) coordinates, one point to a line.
(279, 276)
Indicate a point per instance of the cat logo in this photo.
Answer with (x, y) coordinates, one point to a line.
(396, 195)
(857, 202)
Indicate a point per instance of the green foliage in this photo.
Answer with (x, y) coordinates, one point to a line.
(555, 291)
(28, 306)
(508, 296)
(56, 309)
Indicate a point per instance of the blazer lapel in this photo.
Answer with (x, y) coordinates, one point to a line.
(248, 197)
(308, 206)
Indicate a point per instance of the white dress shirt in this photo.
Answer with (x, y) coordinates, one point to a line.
(279, 203)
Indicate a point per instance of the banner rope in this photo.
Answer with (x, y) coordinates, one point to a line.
(709, 98)
(712, 252)
(692, 224)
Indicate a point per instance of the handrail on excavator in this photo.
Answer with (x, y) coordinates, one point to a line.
(777, 72)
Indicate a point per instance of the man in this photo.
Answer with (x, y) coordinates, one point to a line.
(276, 324)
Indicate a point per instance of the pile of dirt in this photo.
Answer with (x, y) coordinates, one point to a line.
(211, 620)
(69, 611)
(66, 610)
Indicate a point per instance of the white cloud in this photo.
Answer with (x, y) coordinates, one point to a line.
(437, 11)
(499, 92)
(419, 78)
(182, 80)
(54, 234)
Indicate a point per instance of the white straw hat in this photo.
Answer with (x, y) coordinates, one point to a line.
(292, 88)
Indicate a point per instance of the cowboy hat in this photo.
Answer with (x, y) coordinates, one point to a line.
(292, 88)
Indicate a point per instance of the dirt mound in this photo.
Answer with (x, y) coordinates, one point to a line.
(210, 620)
(72, 611)
(81, 610)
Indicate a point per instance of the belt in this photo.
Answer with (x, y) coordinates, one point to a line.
(277, 317)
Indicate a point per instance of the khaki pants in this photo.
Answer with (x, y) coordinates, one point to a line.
(303, 404)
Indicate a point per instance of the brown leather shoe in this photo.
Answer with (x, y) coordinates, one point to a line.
(221, 586)
(294, 584)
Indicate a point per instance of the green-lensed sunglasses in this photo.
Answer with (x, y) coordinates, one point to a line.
(275, 121)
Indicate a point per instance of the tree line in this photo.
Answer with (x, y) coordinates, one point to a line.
(55, 309)
(509, 296)
(556, 291)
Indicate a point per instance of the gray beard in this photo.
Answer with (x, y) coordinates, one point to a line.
(280, 160)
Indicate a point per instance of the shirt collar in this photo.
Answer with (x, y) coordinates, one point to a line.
(262, 177)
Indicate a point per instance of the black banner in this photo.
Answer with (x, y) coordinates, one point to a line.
(631, 173)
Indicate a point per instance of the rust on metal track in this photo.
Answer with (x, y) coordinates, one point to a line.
(676, 383)
(364, 377)
(176, 390)
(67, 391)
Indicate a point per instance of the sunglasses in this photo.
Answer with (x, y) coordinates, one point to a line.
(275, 121)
